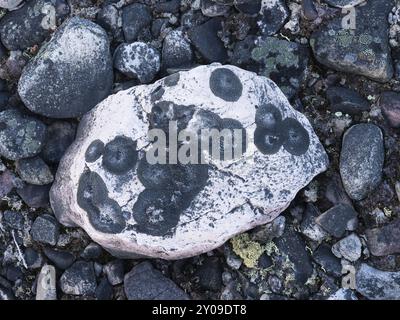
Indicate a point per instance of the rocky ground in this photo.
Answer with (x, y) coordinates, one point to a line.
(340, 237)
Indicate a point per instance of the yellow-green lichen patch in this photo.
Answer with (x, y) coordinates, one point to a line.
(249, 251)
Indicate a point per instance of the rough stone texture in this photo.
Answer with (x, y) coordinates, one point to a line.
(325, 258)
(135, 17)
(34, 171)
(216, 201)
(361, 160)
(389, 102)
(337, 219)
(176, 51)
(45, 229)
(384, 241)
(10, 4)
(20, 136)
(205, 39)
(346, 100)
(375, 284)
(31, 24)
(273, 16)
(34, 196)
(365, 50)
(137, 60)
(285, 62)
(344, 3)
(46, 286)
(348, 248)
(71, 73)
(144, 282)
(60, 135)
(79, 279)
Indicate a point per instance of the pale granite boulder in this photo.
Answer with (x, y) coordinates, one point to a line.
(106, 186)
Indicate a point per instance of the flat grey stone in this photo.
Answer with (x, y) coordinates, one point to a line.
(144, 282)
(337, 219)
(375, 284)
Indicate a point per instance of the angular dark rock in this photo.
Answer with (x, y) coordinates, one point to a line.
(34, 171)
(282, 61)
(176, 51)
(325, 258)
(361, 49)
(389, 102)
(385, 240)
(375, 284)
(61, 259)
(338, 220)
(79, 279)
(346, 100)
(60, 135)
(32, 23)
(45, 229)
(135, 17)
(35, 196)
(144, 282)
(205, 39)
(210, 274)
(20, 136)
(114, 270)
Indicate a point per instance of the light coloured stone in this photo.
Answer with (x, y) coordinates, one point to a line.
(238, 195)
(46, 285)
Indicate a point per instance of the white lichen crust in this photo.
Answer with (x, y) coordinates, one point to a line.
(238, 195)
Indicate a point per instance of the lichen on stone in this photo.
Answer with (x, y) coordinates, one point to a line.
(250, 251)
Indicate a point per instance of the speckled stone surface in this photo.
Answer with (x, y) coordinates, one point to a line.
(356, 41)
(179, 211)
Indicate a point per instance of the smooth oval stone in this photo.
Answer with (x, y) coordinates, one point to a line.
(361, 160)
(71, 73)
(176, 208)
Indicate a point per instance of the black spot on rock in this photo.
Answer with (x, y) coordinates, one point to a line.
(94, 151)
(154, 176)
(157, 212)
(268, 116)
(104, 213)
(226, 85)
(189, 178)
(157, 94)
(172, 80)
(295, 137)
(164, 111)
(120, 155)
(267, 141)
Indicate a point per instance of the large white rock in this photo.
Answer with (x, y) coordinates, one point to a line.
(99, 187)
